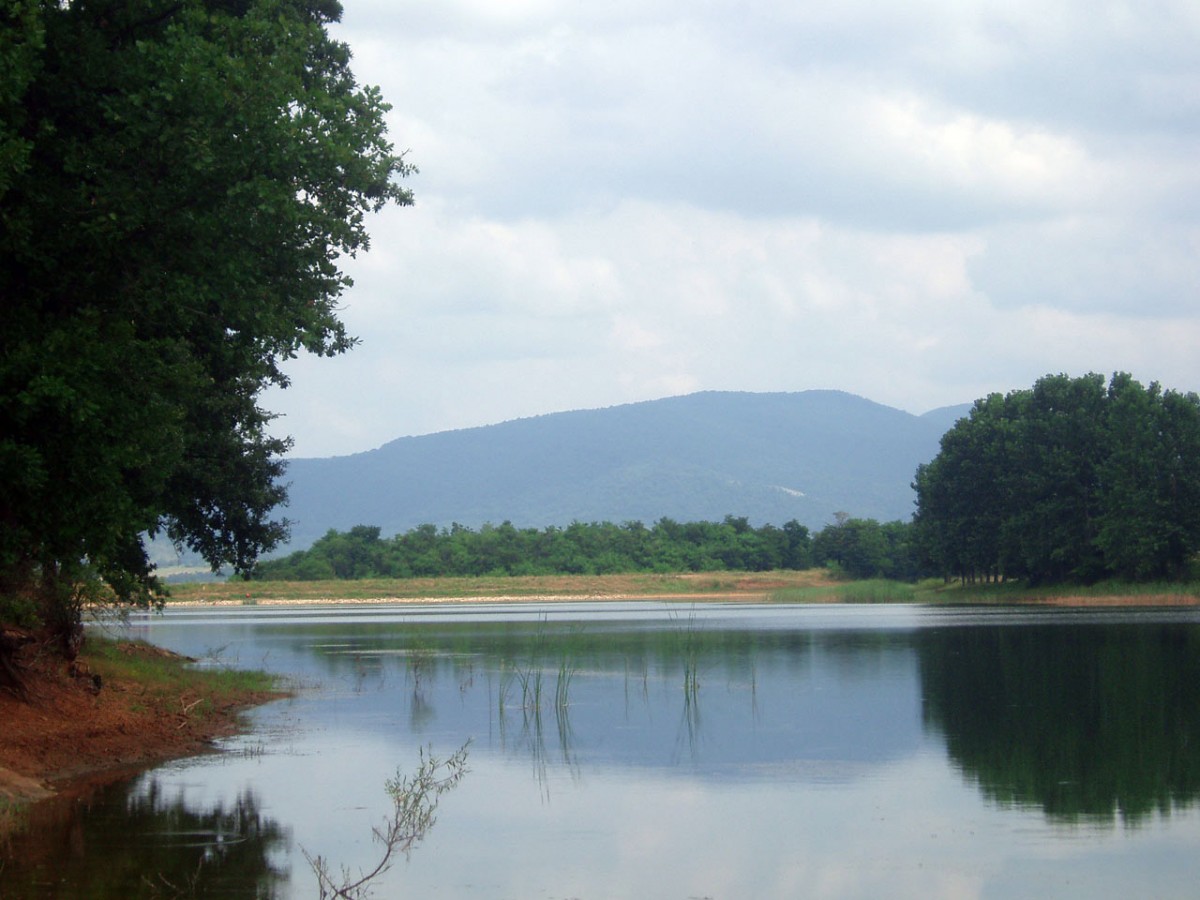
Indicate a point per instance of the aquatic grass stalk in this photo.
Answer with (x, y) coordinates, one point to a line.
(562, 688)
(530, 679)
(505, 688)
(689, 647)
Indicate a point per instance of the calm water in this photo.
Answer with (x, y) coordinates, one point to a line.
(673, 751)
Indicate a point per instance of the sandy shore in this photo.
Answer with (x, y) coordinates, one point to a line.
(452, 601)
(1146, 600)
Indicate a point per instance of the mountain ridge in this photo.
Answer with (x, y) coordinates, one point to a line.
(770, 457)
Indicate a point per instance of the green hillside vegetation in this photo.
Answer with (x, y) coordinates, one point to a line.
(772, 457)
(858, 548)
(1072, 482)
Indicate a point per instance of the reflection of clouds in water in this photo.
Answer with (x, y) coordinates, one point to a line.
(908, 831)
(681, 836)
(815, 776)
(812, 771)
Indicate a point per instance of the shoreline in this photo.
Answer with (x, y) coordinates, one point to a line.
(78, 748)
(1066, 600)
(481, 598)
(120, 709)
(783, 586)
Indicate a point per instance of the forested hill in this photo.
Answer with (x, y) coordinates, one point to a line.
(700, 457)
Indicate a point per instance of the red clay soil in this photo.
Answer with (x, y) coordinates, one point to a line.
(67, 728)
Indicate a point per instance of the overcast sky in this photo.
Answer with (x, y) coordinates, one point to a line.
(920, 202)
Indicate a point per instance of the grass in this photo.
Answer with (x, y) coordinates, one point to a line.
(160, 673)
(936, 591)
(1106, 593)
(636, 584)
(782, 586)
(877, 590)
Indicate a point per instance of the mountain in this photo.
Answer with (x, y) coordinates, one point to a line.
(770, 457)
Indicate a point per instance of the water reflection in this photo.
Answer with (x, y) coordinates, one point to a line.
(1084, 722)
(132, 839)
(613, 748)
(722, 701)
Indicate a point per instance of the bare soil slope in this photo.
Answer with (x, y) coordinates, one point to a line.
(75, 721)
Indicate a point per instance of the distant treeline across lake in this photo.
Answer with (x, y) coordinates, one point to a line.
(862, 548)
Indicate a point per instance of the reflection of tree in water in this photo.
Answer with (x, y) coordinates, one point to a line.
(149, 845)
(1085, 721)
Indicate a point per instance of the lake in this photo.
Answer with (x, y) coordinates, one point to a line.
(670, 750)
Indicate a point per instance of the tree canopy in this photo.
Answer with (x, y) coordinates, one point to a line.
(579, 548)
(179, 180)
(1069, 481)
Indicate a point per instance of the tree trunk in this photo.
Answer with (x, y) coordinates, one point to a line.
(11, 641)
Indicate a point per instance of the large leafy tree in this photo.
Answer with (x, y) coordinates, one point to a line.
(1149, 521)
(179, 180)
(1070, 481)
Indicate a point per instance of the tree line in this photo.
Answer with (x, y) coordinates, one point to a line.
(1071, 481)
(861, 548)
(1074, 480)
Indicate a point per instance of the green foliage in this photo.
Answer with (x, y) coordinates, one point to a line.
(772, 457)
(866, 549)
(18, 610)
(592, 548)
(177, 183)
(1069, 481)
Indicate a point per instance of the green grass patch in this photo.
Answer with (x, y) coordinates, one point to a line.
(937, 591)
(162, 673)
(875, 590)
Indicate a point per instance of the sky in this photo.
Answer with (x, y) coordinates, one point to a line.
(919, 202)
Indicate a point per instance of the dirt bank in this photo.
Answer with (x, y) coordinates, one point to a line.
(103, 717)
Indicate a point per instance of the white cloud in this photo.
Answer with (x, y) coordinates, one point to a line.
(917, 202)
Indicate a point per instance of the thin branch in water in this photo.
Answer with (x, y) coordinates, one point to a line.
(414, 802)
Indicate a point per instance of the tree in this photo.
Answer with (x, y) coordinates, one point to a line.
(864, 548)
(963, 493)
(1055, 501)
(178, 181)
(1067, 482)
(1149, 523)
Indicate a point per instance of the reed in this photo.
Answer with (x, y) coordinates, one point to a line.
(562, 687)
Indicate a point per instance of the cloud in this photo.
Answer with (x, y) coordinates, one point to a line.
(920, 203)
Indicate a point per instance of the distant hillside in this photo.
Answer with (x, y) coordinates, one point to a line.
(769, 457)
